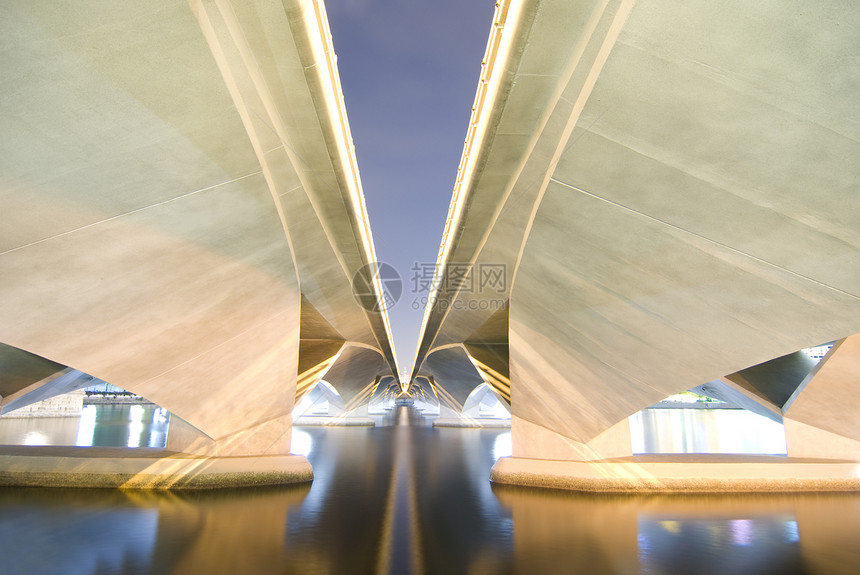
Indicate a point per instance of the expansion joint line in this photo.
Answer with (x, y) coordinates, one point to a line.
(134, 211)
(706, 239)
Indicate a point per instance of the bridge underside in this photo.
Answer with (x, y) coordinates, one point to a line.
(671, 194)
(182, 213)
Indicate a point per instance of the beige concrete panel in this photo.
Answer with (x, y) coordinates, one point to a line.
(178, 276)
(271, 437)
(536, 441)
(138, 296)
(802, 440)
(325, 284)
(786, 232)
(606, 295)
(739, 124)
(555, 50)
(829, 397)
(775, 48)
(248, 380)
(277, 60)
(95, 122)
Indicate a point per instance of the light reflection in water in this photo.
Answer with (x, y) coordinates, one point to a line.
(35, 438)
(98, 425)
(410, 498)
(86, 426)
(705, 431)
(135, 425)
(751, 534)
(503, 446)
(301, 442)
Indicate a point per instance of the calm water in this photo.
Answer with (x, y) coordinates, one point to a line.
(103, 425)
(408, 498)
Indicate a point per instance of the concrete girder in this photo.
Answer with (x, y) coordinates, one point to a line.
(175, 183)
(668, 210)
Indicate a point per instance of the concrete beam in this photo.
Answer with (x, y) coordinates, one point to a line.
(648, 195)
(177, 180)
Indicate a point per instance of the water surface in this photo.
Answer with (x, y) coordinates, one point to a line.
(408, 498)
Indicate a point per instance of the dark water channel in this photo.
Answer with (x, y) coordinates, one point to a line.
(407, 498)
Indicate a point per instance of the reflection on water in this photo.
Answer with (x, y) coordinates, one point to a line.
(124, 425)
(705, 431)
(748, 534)
(409, 498)
(85, 532)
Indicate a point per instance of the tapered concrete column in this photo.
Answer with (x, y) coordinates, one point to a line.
(533, 441)
(821, 419)
(268, 438)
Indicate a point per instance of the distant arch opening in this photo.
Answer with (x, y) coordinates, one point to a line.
(485, 403)
(741, 413)
(321, 401)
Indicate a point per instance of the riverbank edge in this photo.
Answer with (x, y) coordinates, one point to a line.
(681, 474)
(152, 470)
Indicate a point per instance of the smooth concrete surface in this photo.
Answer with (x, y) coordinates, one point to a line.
(671, 195)
(831, 388)
(682, 473)
(182, 210)
(143, 468)
(535, 441)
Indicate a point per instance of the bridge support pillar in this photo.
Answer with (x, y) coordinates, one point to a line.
(532, 441)
(268, 438)
(821, 416)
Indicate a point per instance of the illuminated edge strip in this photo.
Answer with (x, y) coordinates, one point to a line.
(323, 51)
(497, 51)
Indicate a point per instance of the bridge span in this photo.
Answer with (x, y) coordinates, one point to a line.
(183, 216)
(670, 194)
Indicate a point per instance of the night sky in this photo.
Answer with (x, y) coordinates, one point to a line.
(409, 70)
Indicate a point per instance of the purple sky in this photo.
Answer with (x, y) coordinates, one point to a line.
(409, 70)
